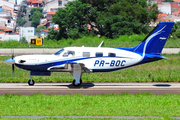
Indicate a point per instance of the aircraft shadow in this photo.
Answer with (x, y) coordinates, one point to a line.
(83, 85)
(89, 85)
(162, 85)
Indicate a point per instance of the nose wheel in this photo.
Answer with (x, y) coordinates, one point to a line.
(31, 82)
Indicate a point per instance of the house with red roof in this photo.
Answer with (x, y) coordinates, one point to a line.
(6, 30)
(170, 11)
(43, 33)
(49, 15)
(164, 8)
(8, 23)
(35, 3)
(178, 1)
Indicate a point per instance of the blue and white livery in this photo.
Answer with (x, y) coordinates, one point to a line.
(78, 60)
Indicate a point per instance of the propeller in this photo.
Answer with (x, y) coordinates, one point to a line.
(12, 50)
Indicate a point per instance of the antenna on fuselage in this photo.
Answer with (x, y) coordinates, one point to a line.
(100, 44)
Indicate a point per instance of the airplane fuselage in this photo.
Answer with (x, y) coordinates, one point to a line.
(95, 59)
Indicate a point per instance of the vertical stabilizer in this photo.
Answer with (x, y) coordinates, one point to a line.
(155, 41)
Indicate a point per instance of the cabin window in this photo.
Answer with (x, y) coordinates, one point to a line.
(59, 52)
(99, 54)
(86, 54)
(111, 55)
(69, 54)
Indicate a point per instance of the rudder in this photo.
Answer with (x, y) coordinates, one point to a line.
(155, 41)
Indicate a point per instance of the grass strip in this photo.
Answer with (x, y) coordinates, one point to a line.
(87, 119)
(141, 104)
(54, 118)
(159, 71)
(88, 41)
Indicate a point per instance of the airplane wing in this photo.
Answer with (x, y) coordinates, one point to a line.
(68, 67)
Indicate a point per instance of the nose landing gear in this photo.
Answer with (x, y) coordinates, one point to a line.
(31, 82)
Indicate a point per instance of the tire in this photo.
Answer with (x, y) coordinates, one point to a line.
(77, 84)
(31, 84)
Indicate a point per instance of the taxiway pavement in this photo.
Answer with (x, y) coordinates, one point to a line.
(89, 88)
(28, 51)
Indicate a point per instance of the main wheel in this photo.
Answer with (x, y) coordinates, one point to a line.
(31, 82)
(77, 84)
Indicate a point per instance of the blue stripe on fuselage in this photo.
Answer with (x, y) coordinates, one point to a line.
(146, 59)
(45, 66)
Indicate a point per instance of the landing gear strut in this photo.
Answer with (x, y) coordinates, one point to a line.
(31, 82)
(74, 83)
(77, 75)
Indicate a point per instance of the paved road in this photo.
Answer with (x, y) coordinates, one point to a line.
(88, 88)
(28, 23)
(51, 51)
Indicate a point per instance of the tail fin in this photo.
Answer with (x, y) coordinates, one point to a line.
(155, 41)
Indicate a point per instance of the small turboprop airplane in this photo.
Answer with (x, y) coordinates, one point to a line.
(78, 60)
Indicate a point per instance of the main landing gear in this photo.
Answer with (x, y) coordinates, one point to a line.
(77, 75)
(78, 84)
(31, 82)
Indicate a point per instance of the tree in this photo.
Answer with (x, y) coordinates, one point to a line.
(138, 9)
(40, 28)
(108, 16)
(126, 17)
(153, 12)
(36, 15)
(72, 19)
(22, 21)
(36, 18)
(101, 5)
(33, 10)
(119, 25)
(52, 34)
(98, 7)
(35, 23)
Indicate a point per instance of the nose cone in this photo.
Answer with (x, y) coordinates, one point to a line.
(9, 61)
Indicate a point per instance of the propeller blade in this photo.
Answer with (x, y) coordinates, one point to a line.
(12, 68)
(12, 53)
(12, 50)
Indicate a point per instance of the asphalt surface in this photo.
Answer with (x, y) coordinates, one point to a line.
(26, 17)
(51, 51)
(89, 88)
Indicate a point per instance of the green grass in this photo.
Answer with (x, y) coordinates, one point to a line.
(51, 118)
(122, 41)
(141, 104)
(166, 70)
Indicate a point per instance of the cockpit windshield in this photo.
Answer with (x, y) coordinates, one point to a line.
(59, 52)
